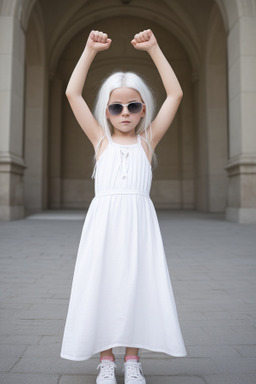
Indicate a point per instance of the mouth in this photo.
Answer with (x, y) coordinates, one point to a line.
(125, 122)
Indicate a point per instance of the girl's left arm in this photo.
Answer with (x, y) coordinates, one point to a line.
(146, 41)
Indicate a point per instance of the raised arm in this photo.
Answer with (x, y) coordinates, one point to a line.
(146, 41)
(97, 41)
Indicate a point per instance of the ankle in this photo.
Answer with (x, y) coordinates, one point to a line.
(109, 357)
(131, 357)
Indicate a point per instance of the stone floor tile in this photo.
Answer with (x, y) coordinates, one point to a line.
(231, 379)
(174, 380)
(246, 350)
(21, 378)
(84, 379)
(213, 351)
(75, 379)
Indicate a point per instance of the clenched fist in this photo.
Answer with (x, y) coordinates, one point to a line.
(144, 40)
(98, 41)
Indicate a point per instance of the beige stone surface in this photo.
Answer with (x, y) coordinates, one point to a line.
(211, 46)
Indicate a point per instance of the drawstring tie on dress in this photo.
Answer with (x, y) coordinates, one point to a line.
(124, 153)
(124, 162)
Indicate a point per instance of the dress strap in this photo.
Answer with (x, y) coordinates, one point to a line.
(141, 137)
(100, 141)
(95, 165)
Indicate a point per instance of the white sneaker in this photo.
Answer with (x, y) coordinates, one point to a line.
(107, 372)
(133, 373)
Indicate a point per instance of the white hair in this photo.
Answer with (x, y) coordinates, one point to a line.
(129, 80)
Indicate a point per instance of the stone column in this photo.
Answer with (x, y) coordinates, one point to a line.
(187, 140)
(12, 51)
(35, 139)
(55, 139)
(241, 166)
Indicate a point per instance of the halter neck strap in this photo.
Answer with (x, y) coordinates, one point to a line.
(138, 141)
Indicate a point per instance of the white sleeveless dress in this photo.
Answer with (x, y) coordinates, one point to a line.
(121, 293)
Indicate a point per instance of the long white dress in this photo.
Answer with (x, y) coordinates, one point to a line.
(121, 293)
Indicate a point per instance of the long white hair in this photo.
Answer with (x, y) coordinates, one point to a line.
(128, 80)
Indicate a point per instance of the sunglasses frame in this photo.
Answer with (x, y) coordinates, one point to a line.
(126, 105)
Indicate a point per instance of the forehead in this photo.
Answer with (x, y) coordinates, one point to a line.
(124, 94)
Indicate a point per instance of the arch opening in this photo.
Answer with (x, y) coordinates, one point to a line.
(175, 176)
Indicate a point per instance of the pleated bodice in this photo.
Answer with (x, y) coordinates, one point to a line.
(123, 169)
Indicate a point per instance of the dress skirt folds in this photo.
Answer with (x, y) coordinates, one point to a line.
(121, 293)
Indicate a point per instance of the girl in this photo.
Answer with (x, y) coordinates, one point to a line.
(121, 291)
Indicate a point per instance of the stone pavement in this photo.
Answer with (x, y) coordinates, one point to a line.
(212, 266)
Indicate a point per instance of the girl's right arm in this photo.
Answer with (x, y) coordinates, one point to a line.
(97, 41)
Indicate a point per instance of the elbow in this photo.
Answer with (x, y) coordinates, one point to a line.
(71, 94)
(68, 94)
(177, 97)
(180, 95)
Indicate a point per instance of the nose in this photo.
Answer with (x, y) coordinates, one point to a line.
(125, 111)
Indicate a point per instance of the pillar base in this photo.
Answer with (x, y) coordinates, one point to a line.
(241, 215)
(11, 213)
(11, 181)
(241, 189)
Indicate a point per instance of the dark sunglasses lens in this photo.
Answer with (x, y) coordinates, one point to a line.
(134, 107)
(115, 109)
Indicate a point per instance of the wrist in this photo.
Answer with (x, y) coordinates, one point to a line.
(154, 49)
(89, 51)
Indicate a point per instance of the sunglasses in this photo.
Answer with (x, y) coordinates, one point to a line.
(133, 107)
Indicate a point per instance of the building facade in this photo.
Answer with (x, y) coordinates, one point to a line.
(207, 159)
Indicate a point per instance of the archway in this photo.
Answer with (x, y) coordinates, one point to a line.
(178, 21)
(70, 183)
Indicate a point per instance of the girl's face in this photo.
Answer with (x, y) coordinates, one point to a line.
(126, 121)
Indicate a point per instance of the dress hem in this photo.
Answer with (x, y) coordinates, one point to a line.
(65, 356)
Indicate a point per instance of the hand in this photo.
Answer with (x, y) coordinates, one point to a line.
(144, 41)
(98, 41)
